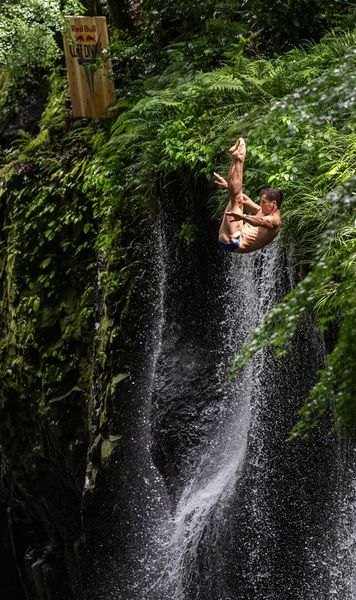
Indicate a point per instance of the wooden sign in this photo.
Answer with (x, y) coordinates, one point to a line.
(86, 49)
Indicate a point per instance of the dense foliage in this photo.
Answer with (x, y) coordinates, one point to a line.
(296, 113)
(29, 36)
(281, 25)
(75, 194)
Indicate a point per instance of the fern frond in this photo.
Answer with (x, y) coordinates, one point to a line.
(220, 82)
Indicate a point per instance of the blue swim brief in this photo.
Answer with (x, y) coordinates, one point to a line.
(230, 246)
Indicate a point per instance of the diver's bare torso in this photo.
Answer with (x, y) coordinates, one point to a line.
(254, 238)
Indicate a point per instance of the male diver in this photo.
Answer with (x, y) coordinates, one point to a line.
(240, 232)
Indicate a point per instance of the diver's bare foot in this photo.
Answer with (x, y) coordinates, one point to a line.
(235, 146)
(238, 151)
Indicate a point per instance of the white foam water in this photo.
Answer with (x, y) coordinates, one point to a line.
(200, 510)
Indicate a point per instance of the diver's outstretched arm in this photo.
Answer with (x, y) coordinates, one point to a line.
(250, 204)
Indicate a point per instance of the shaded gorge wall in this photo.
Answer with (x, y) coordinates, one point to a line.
(46, 321)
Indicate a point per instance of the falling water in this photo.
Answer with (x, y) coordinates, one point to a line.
(343, 565)
(224, 507)
(205, 497)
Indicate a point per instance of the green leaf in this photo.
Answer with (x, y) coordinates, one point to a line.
(46, 262)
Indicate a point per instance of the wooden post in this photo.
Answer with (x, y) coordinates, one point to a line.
(86, 49)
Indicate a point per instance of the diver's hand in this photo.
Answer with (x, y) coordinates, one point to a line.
(220, 180)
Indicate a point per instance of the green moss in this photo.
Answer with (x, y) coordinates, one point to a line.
(108, 447)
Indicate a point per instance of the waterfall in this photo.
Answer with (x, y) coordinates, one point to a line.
(343, 567)
(210, 482)
(222, 506)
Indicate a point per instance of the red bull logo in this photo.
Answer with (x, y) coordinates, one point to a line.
(84, 39)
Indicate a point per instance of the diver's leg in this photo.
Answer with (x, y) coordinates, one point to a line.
(229, 229)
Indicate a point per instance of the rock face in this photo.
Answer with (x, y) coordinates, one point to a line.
(28, 117)
(11, 583)
(47, 330)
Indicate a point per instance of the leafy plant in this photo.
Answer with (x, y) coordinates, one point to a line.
(29, 45)
(296, 114)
